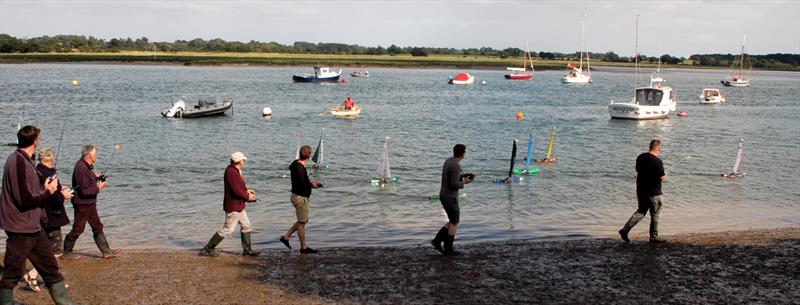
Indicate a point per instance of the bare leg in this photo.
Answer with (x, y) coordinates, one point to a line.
(451, 229)
(291, 231)
(301, 233)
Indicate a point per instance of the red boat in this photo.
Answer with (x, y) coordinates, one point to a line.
(522, 73)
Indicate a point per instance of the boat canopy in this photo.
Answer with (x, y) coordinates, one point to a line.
(649, 96)
(516, 69)
(461, 77)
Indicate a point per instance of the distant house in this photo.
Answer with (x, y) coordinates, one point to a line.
(689, 62)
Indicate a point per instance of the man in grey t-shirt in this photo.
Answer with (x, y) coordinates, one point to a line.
(452, 181)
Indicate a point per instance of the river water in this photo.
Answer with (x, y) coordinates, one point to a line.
(165, 185)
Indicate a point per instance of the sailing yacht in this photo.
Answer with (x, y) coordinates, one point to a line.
(653, 102)
(522, 73)
(576, 74)
(739, 79)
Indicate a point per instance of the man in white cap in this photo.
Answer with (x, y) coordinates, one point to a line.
(236, 194)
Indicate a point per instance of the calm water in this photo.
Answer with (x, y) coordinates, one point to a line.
(165, 190)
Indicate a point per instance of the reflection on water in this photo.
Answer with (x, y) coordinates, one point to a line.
(165, 189)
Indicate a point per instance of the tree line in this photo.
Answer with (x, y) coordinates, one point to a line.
(80, 43)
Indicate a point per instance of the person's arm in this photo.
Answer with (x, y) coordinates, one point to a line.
(236, 183)
(662, 174)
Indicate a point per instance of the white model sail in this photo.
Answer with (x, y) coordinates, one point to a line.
(738, 157)
(384, 170)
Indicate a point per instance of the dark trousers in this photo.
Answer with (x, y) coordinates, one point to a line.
(84, 213)
(33, 247)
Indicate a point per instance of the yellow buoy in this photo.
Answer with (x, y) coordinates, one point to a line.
(74, 82)
(519, 116)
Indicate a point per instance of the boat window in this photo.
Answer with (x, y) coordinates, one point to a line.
(649, 97)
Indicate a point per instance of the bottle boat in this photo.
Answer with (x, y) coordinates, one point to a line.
(203, 108)
(321, 75)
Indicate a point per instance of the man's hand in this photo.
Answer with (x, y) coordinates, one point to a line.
(67, 193)
(314, 184)
(51, 184)
(251, 195)
(101, 184)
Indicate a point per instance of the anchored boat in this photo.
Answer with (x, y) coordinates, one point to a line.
(522, 73)
(711, 96)
(203, 108)
(739, 79)
(576, 75)
(462, 79)
(321, 75)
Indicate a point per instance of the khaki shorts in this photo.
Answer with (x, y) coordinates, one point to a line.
(300, 204)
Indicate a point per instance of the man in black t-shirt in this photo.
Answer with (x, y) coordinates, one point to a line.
(301, 191)
(650, 174)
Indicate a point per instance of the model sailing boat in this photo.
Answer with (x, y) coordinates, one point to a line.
(550, 158)
(522, 73)
(740, 79)
(576, 75)
(384, 171)
(739, 155)
(527, 170)
(319, 153)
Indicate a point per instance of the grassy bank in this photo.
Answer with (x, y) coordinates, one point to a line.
(275, 59)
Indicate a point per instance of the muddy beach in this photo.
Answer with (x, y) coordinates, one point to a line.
(739, 267)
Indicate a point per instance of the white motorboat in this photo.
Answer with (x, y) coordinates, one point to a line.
(653, 102)
(576, 75)
(711, 96)
(203, 108)
(462, 79)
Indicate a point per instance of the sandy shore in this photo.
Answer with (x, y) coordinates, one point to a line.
(741, 267)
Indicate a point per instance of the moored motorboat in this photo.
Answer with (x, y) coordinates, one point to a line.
(360, 73)
(711, 96)
(653, 102)
(321, 75)
(462, 79)
(203, 108)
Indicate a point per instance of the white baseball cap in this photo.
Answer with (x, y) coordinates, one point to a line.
(238, 156)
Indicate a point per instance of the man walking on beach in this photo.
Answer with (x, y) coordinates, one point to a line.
(301, 191)
(21, 202)
(452, 181)
(236, 194)
(87, 184)
(650, 174)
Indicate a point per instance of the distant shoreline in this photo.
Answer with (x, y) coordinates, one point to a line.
(291, 60)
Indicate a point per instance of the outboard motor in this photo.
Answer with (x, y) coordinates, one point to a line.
(176, 110)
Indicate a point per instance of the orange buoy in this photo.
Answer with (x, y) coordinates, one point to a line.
(519, 116)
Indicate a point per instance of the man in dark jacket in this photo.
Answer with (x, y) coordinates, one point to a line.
(301, 191)
(236, 194)
(86, 184)
(649, 175)
(452, 181)
(21, 202)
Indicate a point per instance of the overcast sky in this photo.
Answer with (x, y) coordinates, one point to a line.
(678, 28)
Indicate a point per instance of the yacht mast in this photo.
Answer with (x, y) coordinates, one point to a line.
(636, 60)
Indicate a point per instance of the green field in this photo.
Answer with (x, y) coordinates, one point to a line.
(275, 59)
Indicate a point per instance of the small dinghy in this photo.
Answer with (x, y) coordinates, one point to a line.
(341, 112)
(739, 155)
(384, 171)
(203, 108)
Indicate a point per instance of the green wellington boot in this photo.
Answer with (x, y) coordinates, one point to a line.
(208, 249)
(59, 294)
(246, 246)
(102, 244)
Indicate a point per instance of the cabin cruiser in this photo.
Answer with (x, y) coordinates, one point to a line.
(711, 96)
(321, 75)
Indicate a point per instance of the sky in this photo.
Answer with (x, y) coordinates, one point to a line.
(678, 28)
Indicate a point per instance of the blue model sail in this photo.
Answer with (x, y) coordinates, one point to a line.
(530, 151)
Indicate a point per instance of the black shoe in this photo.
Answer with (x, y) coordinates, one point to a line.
(451, 252)
(657, 241)
(250, 253)
(624, 236)
(285, 242)
(438, 245)
(308, 251)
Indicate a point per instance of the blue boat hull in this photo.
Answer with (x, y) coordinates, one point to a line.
(314, 79)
